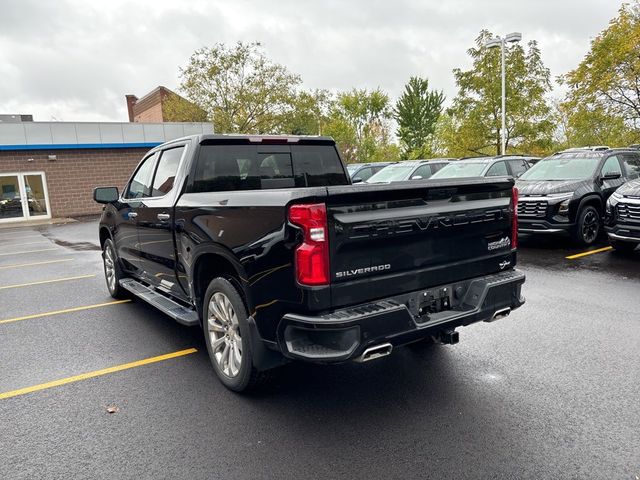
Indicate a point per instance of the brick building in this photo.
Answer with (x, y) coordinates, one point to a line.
(49, 169)
(152, 107)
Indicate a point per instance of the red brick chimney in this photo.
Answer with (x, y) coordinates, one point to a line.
(131, 101)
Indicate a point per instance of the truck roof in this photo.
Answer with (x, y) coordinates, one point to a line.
(233, 138)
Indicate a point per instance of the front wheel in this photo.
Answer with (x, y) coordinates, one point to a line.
(587, 227)
(624, 247)
(112, 270)
(226, 334)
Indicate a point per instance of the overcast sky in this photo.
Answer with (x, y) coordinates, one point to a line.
(75, 60)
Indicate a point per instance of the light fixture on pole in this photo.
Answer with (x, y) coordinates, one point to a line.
(494, 43)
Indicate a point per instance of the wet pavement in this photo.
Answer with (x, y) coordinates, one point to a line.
(550, 392)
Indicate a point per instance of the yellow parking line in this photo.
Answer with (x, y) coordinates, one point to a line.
(53, 280)
(66, 310)
(96, 373)
(590, 252)
(20, 265)
(28, 251)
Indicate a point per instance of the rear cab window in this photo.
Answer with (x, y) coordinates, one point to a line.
(260, 167)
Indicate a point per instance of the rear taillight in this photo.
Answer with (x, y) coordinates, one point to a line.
(312, 255)
(514, 219)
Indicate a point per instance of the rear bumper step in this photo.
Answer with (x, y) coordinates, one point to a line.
(179, 313)
(352, 333)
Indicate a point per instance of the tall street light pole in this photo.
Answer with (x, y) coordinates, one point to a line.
(494, 43)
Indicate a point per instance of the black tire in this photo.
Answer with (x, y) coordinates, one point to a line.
(110, 260)
(246, 377)
(587, 227)
(624, 247)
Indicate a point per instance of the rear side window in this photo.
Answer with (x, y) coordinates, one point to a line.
(249, 167)
(632, 164)
(423, 171)
(166, 171)
(363, 174)
(612, 165)
(518, 167)
(140, 184)
(498, 169)
(437, 166)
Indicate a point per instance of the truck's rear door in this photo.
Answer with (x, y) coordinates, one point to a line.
(438, 231)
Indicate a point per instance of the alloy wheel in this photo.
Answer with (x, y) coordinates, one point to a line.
(590, 226)
(224, 334)
(110, 268)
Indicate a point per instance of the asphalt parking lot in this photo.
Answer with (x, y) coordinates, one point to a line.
(550, 392)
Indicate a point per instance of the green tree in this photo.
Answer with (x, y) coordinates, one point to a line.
(309, 113)
(177, 109)
(239, 88)
(591, 125)
(417, 112)
(603, 102)
(359, 122)
(475, 111)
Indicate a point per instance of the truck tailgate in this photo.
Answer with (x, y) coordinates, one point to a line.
(438, 231)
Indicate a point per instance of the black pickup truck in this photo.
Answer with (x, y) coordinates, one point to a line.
(265, 243)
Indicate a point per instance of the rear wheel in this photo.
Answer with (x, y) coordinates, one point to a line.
(624, 247)
(226, 334)
(112, 271)
(588, 226)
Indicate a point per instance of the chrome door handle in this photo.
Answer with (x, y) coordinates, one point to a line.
(133, 214)
(164, 217)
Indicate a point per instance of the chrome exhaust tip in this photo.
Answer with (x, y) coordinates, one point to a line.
(377, 351)
(498, 314)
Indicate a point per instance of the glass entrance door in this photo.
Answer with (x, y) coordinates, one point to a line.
(23, 196)
(35, 196)
(10, 198)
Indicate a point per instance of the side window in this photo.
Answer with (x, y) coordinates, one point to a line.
(437, 166)
(166, 171)
(498, 169)
(423, 171)
(632, 164)
(612, 165)
(518, 167)
(364, 173)
(221, 168)
(140, 184)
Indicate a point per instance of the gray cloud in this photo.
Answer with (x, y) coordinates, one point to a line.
(75, 60)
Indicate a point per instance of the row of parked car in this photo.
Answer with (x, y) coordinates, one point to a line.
(579, 191)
